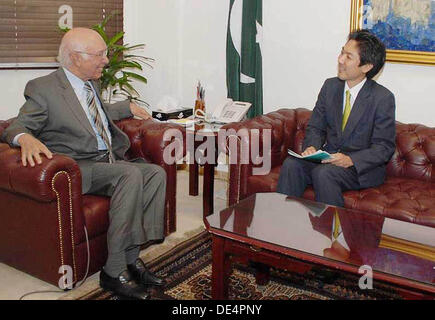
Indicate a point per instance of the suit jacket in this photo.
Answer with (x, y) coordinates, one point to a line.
(370, 133)
(53, 114)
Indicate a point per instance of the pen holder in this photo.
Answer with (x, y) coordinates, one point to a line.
(200, 105)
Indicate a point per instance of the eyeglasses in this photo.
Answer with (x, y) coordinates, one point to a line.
(101, 54)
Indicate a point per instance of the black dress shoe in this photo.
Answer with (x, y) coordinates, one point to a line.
(124, 285)
(143, 275)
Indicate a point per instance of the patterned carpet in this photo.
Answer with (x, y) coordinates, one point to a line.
(187, 270)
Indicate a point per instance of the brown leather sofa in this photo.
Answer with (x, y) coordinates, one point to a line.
(43, 212)
(407, 194)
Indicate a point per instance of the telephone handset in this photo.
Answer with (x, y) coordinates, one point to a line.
(228, 111)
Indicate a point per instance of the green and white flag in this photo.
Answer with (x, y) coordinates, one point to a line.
(244, 62)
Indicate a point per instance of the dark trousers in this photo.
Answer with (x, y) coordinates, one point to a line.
(328, 180)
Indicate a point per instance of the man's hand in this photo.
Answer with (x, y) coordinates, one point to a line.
(340, 160)
(138, 111)
(31, 148)
(308, 151)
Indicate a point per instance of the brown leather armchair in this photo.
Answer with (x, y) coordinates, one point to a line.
(43, 212)
(408, 192)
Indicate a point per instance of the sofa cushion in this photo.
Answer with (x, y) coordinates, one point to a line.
(400, 198)
(266, 183)
(95, 210)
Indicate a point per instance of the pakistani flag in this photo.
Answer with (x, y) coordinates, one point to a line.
(244, 63)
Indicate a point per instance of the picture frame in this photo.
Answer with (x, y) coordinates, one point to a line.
(359, 18)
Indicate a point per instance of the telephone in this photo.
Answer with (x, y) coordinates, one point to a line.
(228, 111)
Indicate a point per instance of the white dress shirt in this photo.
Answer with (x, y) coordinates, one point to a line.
(353, 92)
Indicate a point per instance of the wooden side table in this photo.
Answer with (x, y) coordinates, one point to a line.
(205, 131)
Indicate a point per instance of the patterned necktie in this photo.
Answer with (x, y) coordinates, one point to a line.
(95, 115)
(346, 112)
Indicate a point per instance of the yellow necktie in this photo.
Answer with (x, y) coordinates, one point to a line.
(346, 112)
(336, 225)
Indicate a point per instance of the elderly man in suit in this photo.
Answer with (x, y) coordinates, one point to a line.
(354, 120)
(65, 114)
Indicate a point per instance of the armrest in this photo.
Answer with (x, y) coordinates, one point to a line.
(57, 180)
(38, 182)
(233, 140)
(154, 141)
(254, 146)
(162, 144)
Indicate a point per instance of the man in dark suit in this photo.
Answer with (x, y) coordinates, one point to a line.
(65, 114)
(354, 120)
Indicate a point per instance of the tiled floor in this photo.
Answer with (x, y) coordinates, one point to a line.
(14, 284)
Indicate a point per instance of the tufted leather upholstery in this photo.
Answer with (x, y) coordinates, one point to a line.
(408, 192)
(43, 212)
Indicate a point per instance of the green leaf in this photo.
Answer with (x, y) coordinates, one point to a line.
(120, 46)
(135, 47)
(138, 57)
(129, 86)
(63, 30)
(136, 76)
(137, 99)
(115, 38)
(128, 64)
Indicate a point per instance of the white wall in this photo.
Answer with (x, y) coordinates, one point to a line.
(204, 29)
(157, 24)
(187, 38)
(301, 43)
(12, 83)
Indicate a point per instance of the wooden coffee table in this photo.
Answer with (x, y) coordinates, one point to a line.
(296, 234)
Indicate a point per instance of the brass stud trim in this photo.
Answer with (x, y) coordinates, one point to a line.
(59, 217)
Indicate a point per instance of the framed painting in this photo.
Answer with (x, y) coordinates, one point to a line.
(407, 27)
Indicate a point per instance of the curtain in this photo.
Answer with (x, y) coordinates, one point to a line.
(30, 29)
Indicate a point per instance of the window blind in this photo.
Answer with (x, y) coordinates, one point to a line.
(30, 29)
